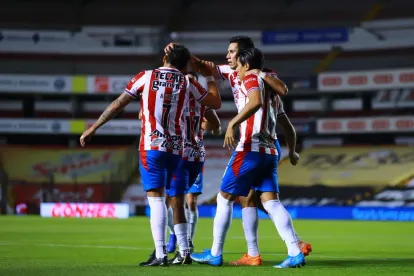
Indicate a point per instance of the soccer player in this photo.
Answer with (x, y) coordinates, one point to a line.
(253, 162)
(190, 169)
(248, 204)
(163, 93)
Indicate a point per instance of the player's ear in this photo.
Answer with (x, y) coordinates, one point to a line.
(164, 58)
(247, 66)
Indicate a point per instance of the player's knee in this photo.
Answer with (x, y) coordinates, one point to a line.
(192, 202)
(248, 201)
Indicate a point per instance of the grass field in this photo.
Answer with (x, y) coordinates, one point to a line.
(38, 246)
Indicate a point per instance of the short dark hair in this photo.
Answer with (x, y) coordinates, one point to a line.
(179, 56)
(243, 42)
(253, 56)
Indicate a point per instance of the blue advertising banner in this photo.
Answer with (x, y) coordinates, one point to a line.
(305, 36)
(327, 213)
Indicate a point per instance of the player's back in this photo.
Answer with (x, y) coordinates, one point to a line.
(258, 133)
(163, 95)
(193, 136)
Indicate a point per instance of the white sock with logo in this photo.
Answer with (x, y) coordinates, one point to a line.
(283, 223)
(158, 221)
(222, 222)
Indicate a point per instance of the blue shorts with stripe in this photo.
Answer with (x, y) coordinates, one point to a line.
(156, 169)
(185, 178)
(249, 169)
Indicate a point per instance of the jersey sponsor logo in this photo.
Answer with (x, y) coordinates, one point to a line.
(159, 134)
(168, 80)
(196, 153)
(173, 142)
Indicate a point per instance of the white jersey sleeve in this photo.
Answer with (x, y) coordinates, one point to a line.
(224, 71)
(136, 84)
(195, 88)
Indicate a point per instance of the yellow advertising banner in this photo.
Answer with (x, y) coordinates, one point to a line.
(63, 166)
(350, 166)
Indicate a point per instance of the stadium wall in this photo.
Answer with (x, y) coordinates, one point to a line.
(325, 213)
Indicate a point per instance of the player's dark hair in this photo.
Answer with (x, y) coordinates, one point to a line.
(243, 42)
(179, 56)
(253, 56)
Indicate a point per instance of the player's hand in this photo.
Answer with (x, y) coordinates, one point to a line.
(229, 140)
(86, 136)
(294, 158)
(205, 68)
(169, 47)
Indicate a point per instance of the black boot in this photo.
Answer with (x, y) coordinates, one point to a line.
(153, 261)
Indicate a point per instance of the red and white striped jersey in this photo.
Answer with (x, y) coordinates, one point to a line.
(193, 136)
(258, 133)
(163, 93)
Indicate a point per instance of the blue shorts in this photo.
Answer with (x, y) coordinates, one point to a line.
(197, 185)
(279, 151)
(156, 168)
(247, 170)
(184, 177)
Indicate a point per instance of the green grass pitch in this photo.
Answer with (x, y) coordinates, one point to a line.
(39, 246)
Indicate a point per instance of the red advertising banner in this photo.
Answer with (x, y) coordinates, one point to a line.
(365, 80)
(365, 125)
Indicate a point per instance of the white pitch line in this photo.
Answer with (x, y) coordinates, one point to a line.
(143, 248)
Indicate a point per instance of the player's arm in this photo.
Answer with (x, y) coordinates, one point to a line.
(196, 63)
(252, 106)
(275, 83)
(210, 98)
(271, 79)
(290, 134)
(288, 130)
(110, 112)
(133, 89)
(212, 122)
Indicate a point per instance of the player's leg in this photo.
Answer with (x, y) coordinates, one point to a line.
(152, 169)
(305, 247)
(196, 179)
(172, 240)
(269, 194)
(239, 173)
(177, 190)
(250, 222)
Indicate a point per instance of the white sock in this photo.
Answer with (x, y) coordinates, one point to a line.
(192, 222)
(283, 223)
(222, 222)
(250, 225)
(187, 213)
(158, 221)
(171, 221)
(297, 238)
(182, 240)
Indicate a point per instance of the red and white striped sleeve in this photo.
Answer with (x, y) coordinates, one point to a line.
(196, 89)
(136, 85)
(224, 71)
(251, 82)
